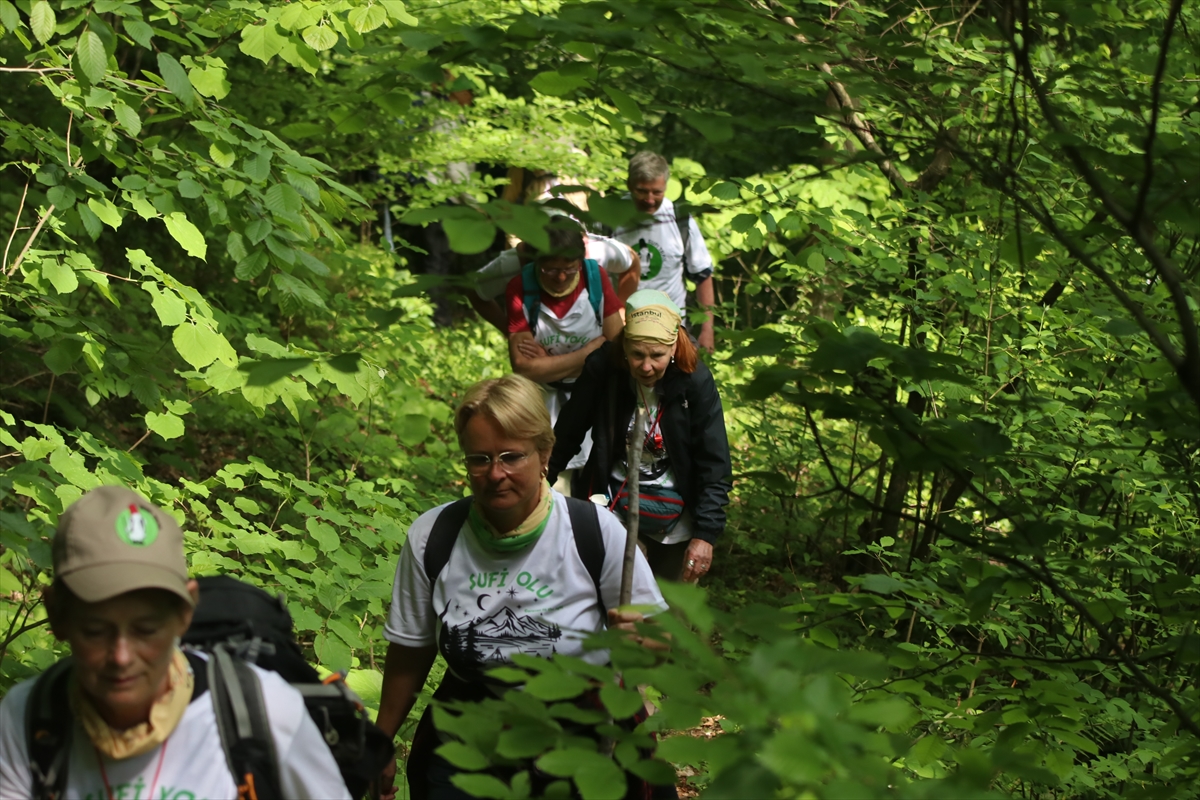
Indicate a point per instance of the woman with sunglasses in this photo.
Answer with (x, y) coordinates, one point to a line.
(561, 308)
(513, 576)
(684, 475)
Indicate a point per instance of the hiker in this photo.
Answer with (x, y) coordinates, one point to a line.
(671, 247)
(130, 715)
(515, 568)
(615, 258)
(685, 470)
(560, 308)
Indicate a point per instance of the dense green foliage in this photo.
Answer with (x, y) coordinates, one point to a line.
(957, 344)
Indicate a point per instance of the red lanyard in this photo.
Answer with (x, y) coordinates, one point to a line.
(108, 792)
(649, 433)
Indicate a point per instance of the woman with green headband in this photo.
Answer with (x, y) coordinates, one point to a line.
(522, 569)
(685, 471)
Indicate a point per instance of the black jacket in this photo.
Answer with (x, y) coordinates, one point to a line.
(693, 429)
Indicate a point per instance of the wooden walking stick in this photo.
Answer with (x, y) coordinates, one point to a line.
(633, 474)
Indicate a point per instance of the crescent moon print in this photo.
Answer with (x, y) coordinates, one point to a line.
(479, 601)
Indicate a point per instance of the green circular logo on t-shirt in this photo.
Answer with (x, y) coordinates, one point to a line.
(651, 257)
(136, 527)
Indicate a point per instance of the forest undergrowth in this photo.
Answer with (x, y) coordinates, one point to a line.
(957, 271)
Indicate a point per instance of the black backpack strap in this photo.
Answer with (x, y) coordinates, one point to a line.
(684, 223)
(585, 524)
(443, 536)
(48, 727)
(242, 722)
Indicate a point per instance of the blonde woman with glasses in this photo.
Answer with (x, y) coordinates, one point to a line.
(514, 568)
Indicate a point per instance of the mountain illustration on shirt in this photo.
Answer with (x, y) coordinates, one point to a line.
(488, 640)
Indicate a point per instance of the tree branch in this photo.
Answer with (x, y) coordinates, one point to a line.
(1160, 69)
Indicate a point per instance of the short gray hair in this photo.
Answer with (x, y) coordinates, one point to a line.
(648, 166)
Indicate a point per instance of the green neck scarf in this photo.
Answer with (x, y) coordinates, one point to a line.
(519, 537)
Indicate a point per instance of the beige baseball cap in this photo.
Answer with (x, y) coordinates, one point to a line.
(113, 540)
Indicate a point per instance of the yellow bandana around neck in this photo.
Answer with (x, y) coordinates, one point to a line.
(164, 715)
(653, 323)
(570, 287)
(533, 523)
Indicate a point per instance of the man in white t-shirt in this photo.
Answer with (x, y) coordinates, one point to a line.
(660, 244)
(131, 715)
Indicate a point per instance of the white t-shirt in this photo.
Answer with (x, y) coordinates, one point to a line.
(193, 762)
(611, 255)
(660, 247)
(484, 606)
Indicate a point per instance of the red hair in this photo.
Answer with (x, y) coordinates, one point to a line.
(685, 352)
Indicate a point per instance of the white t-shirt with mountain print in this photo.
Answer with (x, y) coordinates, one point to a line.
(484, 607)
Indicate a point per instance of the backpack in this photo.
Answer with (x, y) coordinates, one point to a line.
(585, 524)
(533, 291)
(237, 624)
(683, 223)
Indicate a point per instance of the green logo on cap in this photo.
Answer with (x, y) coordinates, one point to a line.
(136, 527)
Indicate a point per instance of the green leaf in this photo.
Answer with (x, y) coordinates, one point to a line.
(261, 41)
(313, 264)
(625, 104)
(61, 196)
(222, 154)
(621, 703)
(486, 786)
(463, 756)
(9, 17)
(302, 130)
(127, 118)
(197, 344)
(235, 247)
(209, 82)
(368, 18)
(187, 234)
(62, 355)
(41, 20)
(556, 686)
(139, 31)
(556, 84)
(563, 763)
(61, 276)
(168, 426)
(105, 211)
(251, 266)
(90, 55)
(346, 362)
(470, 235)
(395, 10)
(332, 652)
(822, 635)
(600, 780)
(169, 306)
(283, 200)
(713, 128)
(882, 584)
(411, 429)
(320, 37)
(297, 289)
(91, 223)
(176, 79)
(1121, 327)
(270, 370)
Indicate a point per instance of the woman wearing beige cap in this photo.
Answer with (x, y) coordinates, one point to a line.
(684, 475)
(129, 714)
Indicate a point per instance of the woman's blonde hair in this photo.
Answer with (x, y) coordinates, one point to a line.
(517, 405)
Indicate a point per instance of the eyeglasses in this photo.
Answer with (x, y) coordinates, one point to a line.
(481, 463)
(564, 273)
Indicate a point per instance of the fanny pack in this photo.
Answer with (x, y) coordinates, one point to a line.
(659, 508)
